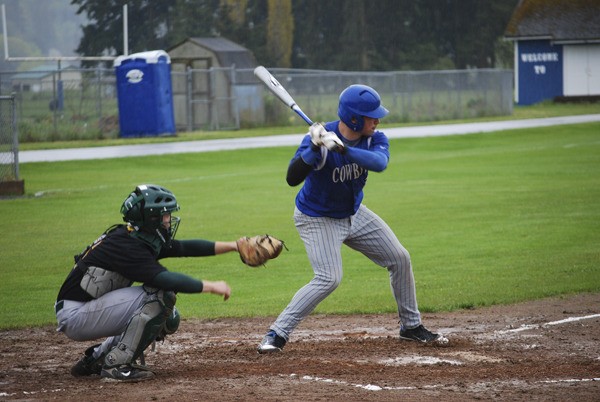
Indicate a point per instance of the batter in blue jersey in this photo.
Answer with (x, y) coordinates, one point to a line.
(333, 161)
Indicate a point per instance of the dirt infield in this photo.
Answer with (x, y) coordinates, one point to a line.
(542, 350)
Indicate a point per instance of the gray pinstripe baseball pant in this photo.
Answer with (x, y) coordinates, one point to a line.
(365, 232)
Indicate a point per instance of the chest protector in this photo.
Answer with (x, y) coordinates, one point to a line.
(98, 281)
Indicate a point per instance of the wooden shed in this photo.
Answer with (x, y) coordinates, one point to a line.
(557, 49)
(213, 84)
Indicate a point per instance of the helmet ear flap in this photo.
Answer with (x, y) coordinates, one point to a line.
(132, 209)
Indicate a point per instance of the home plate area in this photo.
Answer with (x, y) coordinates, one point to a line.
(542, 350)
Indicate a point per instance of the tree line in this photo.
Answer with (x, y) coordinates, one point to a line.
(352, 35)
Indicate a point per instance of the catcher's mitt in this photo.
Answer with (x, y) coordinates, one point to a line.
(257, 250)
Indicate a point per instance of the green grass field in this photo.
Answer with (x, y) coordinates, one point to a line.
(488, 218)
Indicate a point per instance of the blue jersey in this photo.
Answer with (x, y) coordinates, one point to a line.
(334, 188)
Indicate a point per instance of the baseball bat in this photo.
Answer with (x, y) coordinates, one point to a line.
(278, 90)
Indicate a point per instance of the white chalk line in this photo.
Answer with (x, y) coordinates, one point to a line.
(373, 387)
(44, 391)
(42, 193)
(548, 324)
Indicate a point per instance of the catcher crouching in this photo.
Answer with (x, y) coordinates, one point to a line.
(97, 299)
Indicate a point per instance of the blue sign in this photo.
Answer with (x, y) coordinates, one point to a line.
(540, 71)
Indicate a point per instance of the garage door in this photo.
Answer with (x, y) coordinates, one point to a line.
(581, 70)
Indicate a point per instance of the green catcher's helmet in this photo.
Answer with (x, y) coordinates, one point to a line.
(144, 207)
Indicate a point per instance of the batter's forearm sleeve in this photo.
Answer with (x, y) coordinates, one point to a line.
(177, 282)
(370, 160)
(299, 169)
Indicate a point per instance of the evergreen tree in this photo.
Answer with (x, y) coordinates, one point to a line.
(148, 24)
(333, 34)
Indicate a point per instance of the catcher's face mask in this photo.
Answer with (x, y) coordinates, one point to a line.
(169, 226)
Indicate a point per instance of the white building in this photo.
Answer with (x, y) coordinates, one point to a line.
(557, 50)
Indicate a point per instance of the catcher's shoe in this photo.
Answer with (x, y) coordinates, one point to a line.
(126, 373)
(88, 365)
(271, 343)
(419, 334)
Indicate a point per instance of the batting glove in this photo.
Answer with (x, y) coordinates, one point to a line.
(316, 132)
(332, 142)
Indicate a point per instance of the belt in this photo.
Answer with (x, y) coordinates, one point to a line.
(59, 306)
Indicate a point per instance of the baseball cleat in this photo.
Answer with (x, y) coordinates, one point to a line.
(271, 343)
(88, 365)
(421, 334)
(126, 373)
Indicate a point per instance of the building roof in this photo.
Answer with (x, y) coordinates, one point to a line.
(227, 52)
(219, 44)
(41, 71)
(556, 20)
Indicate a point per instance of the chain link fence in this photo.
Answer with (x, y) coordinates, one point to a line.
(9, 148)
(72, 103)
(64, 104)
(410, 96)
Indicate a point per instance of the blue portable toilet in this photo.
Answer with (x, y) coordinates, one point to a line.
(144, 94)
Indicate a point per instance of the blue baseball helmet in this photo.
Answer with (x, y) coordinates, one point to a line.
(358, 101)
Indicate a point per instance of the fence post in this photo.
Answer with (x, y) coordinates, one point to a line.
(189, 100)
(15, 137)
(214, 112)
(233, 98)
(98, 99)
(52, 102)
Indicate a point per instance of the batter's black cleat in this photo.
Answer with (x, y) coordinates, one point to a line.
(419, 334)
(271, 343)
(126, 373)
(88, 365)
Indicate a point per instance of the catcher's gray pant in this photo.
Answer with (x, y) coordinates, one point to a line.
(365, 232)
(106, 316)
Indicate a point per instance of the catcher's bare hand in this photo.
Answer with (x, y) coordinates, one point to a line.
(257, 250)
(217, 288)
